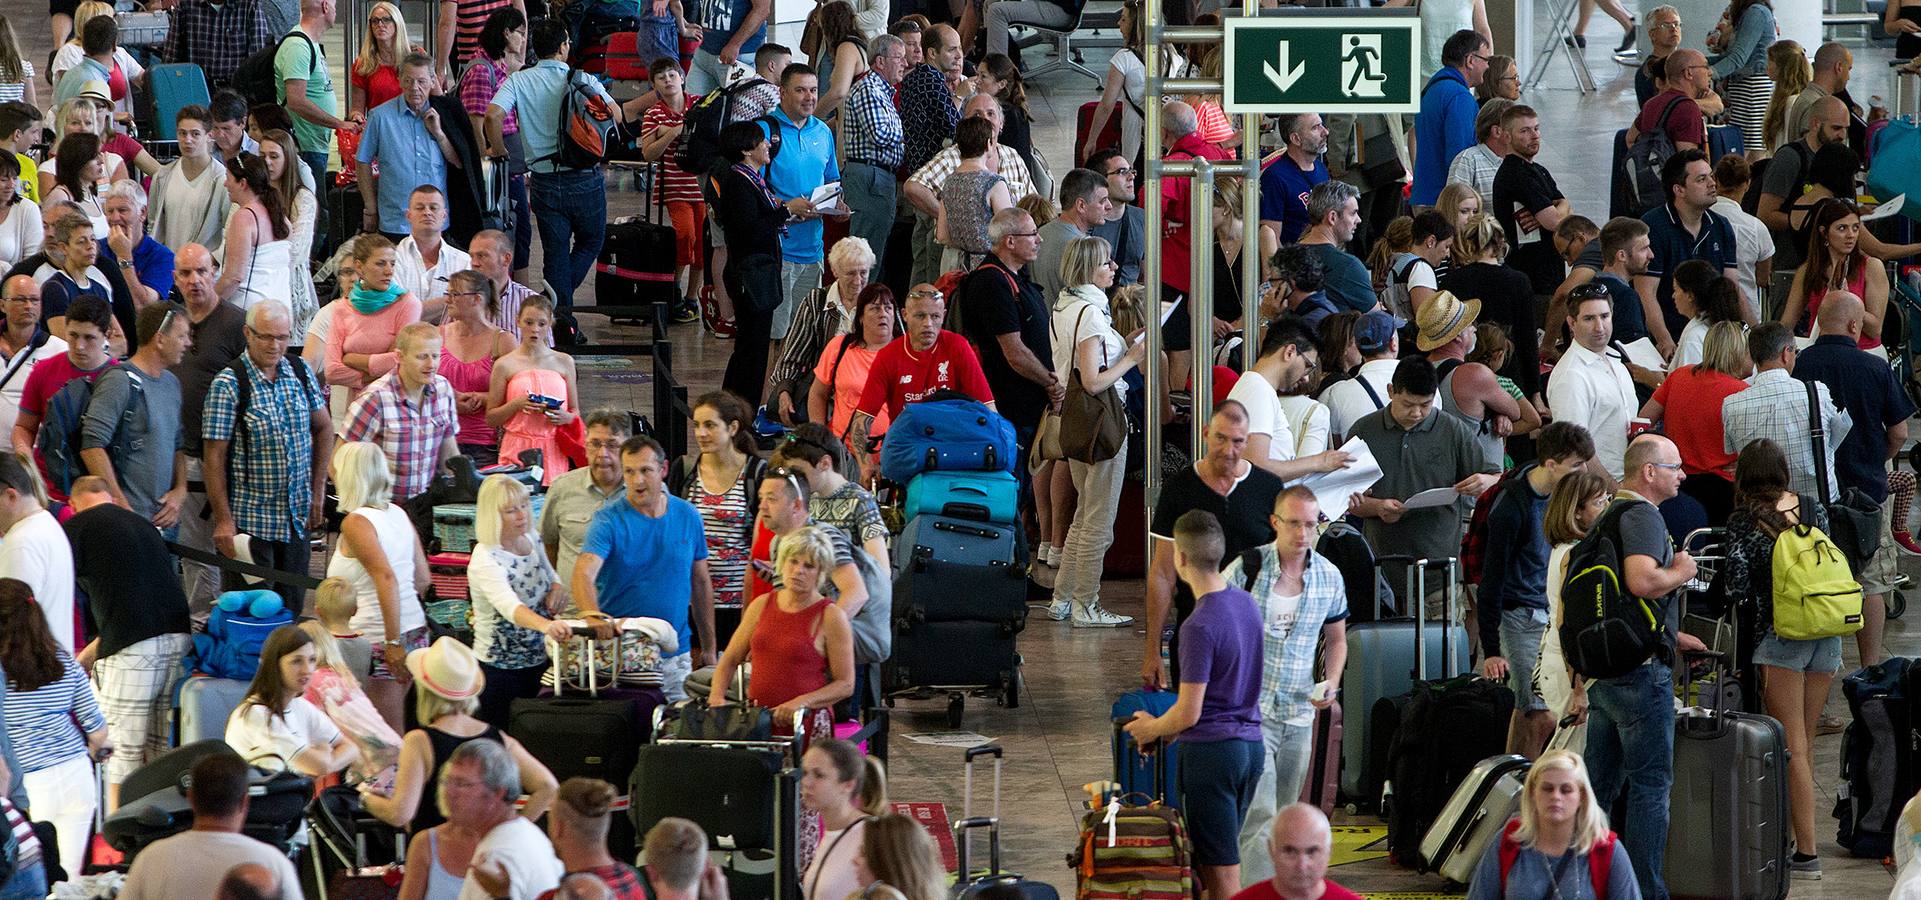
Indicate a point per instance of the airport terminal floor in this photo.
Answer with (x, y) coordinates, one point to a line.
(1058, 739)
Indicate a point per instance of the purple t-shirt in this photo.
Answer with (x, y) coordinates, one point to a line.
(1221, 647)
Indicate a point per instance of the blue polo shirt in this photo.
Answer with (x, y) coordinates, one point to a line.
(647, 563)
(1673, 245)
(1630, 321)
(1284, 188)
(1443, 128)
(1864, 387)
(409, 157)
(806, 161)
(152, 263)
(535, 93)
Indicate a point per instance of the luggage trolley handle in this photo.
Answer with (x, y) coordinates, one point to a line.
(967, 789)
(1153, 752)
(1417, 598)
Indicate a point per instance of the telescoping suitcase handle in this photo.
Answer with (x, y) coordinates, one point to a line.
(590, 674)
(967, 777)
(962, 832)
(1417, 598)
(1153, 750)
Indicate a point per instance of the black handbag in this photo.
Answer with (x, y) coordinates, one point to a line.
(1854, 519)
(1380, 162)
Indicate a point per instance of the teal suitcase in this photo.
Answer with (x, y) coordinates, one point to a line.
(981, 496)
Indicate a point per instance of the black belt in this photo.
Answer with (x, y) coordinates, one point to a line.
(876, 165)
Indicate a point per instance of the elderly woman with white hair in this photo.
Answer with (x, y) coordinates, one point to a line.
(818, 321)
(380, 555)
(1549, 850)
(517, 597)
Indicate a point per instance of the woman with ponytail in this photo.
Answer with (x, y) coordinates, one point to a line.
(259, 256)
(848, 790)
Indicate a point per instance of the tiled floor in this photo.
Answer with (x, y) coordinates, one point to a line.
(1058, 739)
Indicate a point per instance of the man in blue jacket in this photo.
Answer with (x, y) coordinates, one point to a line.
(1445, 125)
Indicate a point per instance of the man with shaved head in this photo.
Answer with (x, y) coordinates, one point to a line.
(217, 341)
(1675, 110)
(1865, 388)
(1630, 741)
(1787, 177)
(1833, 64)
(23, 342)
(1299, 851)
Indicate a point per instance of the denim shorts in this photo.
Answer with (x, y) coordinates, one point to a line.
(1817, 655)
(1521, 631)
(1218, 779)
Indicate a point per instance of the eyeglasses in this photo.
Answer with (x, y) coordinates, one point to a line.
(167, 319)
(1032, 234)
(1589, 292)
(381, 20)
(1123, 172)
(270, 338)
(466, 293)
(1665, 26)
(20, 298)
(930, 293)
(1661, 465)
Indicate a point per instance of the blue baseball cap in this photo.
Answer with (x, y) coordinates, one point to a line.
(1375, 331)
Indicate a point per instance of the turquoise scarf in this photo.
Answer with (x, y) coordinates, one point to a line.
(368, 302)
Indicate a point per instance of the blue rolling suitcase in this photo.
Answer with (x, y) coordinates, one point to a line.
(949, 431)
(1133, 770)
(171, 88)
(985, 496)
(1381, 665)
(952, 540)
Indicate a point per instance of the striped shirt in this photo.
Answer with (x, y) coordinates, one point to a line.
(470, 16)
(42, 722)
(871, 131)
(677, 185)
(12, 91)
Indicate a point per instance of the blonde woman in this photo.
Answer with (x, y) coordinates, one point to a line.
(1085, 341)
(1576, 501)
(1459, 202)
(895, 852)
(16, 73)
(1788, 68)
(79, 116)
(1547, 848)
(380, 555)
(374, 77)
(516, 598)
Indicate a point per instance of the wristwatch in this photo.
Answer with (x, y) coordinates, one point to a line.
(126, 264)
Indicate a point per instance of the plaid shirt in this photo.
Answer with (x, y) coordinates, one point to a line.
(1775, 406)
(216, 38)
(1019, 182)
(1287, 655)
(272, 484)
(871, 131)
(1476, 167)
(411, 435)
(927, 114)
(477, 88)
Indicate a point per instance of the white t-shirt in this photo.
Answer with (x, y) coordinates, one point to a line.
(1264, 415)
(426, 282)
(1348, 402)
(1307, 420)
(1688, 348)
(22, 234)
(255, 732)
(831, 875)
(12, 385)
(524, 851)
(35, 550)
(1282, 611)
(1752, 243)
(193, 863)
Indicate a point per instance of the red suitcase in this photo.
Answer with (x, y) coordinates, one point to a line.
(1127, 556)
(1083, 123)
(1323, 782)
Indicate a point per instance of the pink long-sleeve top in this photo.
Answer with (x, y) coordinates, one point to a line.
(357, 332)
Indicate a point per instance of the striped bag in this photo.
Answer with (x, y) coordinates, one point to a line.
(1134, 853)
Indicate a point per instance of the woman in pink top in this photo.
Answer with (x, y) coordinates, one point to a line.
(469, 344)
(361, 347)
(534, 370)
(841, 373)
(1836, 261)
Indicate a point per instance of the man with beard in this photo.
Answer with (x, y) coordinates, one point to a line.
(1286, 181)
(1125, 227)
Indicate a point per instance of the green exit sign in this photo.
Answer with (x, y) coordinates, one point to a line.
(1352, 63)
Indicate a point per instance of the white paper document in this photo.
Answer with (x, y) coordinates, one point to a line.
(1643, 353)
(1886, 209)
(826, 198)
(1333, 489)
(1440, 496)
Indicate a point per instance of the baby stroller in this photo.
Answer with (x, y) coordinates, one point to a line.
(154, 801)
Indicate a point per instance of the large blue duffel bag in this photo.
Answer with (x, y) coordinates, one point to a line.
(1896, 168)
(949, 431)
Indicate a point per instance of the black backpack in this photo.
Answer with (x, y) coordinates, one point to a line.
(1643, 161)
(1606, 631)
(254, 78)
(243, 396)
(701, 127)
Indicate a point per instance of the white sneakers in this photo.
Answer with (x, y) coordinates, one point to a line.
(1092, 616)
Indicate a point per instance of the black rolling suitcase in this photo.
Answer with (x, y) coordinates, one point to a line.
(636, 264)
(960, 599)
(1728, 834)
(746, 798)
(969, 883)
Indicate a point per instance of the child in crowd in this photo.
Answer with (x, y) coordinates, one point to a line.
(334, 690)
(335, 603)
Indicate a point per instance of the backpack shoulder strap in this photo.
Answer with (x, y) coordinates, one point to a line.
(1372, 394)
(242, 398)
(1510, 850)
(1251, 560)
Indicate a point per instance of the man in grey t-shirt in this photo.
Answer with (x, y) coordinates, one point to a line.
(131, 433)
(1084, 205)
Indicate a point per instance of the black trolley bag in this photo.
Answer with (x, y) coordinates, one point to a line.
(960, 600)
(636, 264)
(1728, 834)
(1437, 733)
(1880, 765)
(969, 883)
(746, 796)
(1384, 656)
